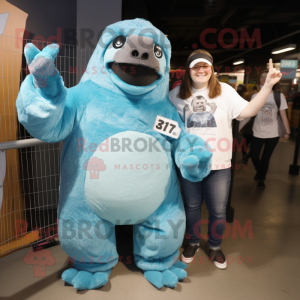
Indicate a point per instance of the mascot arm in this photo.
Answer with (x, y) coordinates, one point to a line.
(43, 106)
(191, 154)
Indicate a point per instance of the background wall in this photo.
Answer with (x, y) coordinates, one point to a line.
(92, 18)
(76, 25)
(48, 18)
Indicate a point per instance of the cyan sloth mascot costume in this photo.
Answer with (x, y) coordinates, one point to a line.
(115, 169)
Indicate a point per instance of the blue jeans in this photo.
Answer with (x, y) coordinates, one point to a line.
(214, 190)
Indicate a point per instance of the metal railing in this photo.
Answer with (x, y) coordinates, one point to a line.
(29, 167)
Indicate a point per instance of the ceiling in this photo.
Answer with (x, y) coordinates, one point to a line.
(275, 24)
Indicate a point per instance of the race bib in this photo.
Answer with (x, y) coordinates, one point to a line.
(167, 127)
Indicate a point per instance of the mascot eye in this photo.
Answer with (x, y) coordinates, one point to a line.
(158, 52)
(119, 41)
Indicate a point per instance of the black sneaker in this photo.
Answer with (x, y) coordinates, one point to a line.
(261, 184)
(218, 258)
(189, 253)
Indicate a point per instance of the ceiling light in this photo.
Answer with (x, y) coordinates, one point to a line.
(284, 49)
(239, 61)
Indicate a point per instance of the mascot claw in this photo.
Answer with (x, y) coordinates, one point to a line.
(83, 280)
(168, 278)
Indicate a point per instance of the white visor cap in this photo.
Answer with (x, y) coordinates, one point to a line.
(199, 60)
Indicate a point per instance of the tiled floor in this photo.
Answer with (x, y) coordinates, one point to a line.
(263, 262)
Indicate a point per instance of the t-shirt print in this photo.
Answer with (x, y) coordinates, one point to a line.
(201, 119)
(210, 119)
(265, 123)
(200, 114)
(265, 115)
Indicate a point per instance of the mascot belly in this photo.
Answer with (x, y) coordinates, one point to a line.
(116, 168)
(121, 193)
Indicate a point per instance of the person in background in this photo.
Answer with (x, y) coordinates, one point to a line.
(265, 132)
(247, 129)
(242, 90)
(256, 88)
(227, 104)
(233, 84)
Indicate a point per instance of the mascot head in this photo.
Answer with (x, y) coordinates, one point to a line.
(132, 57)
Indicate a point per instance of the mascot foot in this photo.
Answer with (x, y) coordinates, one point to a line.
(168, 278)
(83, 280)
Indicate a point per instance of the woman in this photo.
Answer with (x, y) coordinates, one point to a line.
(265, 132)
(242, 90)
(211, 105)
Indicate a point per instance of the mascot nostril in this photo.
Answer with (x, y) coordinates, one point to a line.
(135, 53)
(145, 56)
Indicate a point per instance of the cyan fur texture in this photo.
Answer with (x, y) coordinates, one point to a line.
(108, 176)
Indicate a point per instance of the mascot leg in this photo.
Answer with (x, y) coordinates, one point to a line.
(91, 245)
(157, 240)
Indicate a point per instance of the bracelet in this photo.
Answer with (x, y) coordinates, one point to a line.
(288, 133)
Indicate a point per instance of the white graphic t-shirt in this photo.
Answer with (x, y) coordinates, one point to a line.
(265, 124)
(211, 119)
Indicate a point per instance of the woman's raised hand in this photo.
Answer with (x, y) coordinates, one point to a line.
(273, 75)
